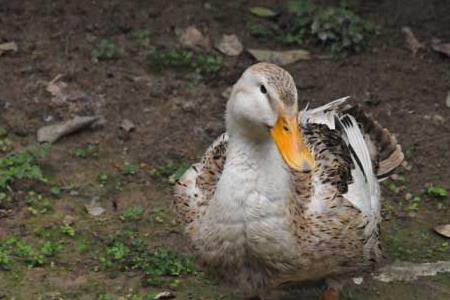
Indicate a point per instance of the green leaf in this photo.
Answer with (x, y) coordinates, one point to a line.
(437, 191)
(262, 12)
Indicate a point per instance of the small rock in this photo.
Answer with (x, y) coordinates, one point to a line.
(438, 119)
(230, 45)
(191, 37)
(127, 125)
(10, 46)
(443, 230)
(68, 220)
(408, 196)
(188, 106)
(48, 119)
(358, 280)
(164, 295)
(395, 177)
(94, 209)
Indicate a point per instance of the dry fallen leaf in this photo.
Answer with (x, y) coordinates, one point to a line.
(191, 37)
(413, 44)
(52, 133)
(164, 295)
(443, 230)
(127, 125)
(94, 209)
(262, 12)
(230, 45)
(77, 101)
(10, 46)
(440, 47)
(405, 271)
(281, 58)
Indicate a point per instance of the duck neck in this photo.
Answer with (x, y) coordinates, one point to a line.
(256, 164)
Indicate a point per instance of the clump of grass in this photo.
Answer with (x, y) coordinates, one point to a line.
(170, 172)
(126, 251)
(86, 151)
(15, 248)
(185, 60)
(142, 38)
(18, 166)
(37, 203)
(263, 32)
(68, 230)
(106, 50)
(103, 178)
(129, 169)
(5, 143)
(338, 29)
(131, 214)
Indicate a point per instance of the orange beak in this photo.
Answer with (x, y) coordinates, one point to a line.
(290, 142)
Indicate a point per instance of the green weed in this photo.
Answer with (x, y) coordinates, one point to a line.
(5, 258)
(87, 151)
(22, 251)
(131, 213)
(106, 296)
(170, 172)
(263, 32)
(37, 203)
(126, 251)
(5, 143)
(142, 38)
(338, 29)
(129, 169)
(106, 49)
(22, 165)
(55, 191)
(437, 191)
(68, 230)
(103, 178)
(184, 60)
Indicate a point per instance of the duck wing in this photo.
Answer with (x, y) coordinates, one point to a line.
(196, 187)
(353, 152)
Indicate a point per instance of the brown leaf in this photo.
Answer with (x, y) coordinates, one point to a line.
(127, 125)
(191, 37)
(440, 47)
(281, 58)
(230, 45)
(164, 295)
(411, 41)
(52, 133)
(406, 271)
(443, 230)
(10, 46)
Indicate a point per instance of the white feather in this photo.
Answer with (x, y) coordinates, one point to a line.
(363, 192)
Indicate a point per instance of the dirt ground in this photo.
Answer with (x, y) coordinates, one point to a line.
(175, 119)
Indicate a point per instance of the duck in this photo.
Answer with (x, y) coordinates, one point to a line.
(286, 196)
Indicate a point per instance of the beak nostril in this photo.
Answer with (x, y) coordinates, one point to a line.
(286, 128)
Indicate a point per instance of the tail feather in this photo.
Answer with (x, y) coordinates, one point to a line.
(385, 152)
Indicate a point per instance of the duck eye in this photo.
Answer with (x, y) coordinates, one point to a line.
(263, 89)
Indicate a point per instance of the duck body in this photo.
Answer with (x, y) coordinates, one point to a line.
(257, 223)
